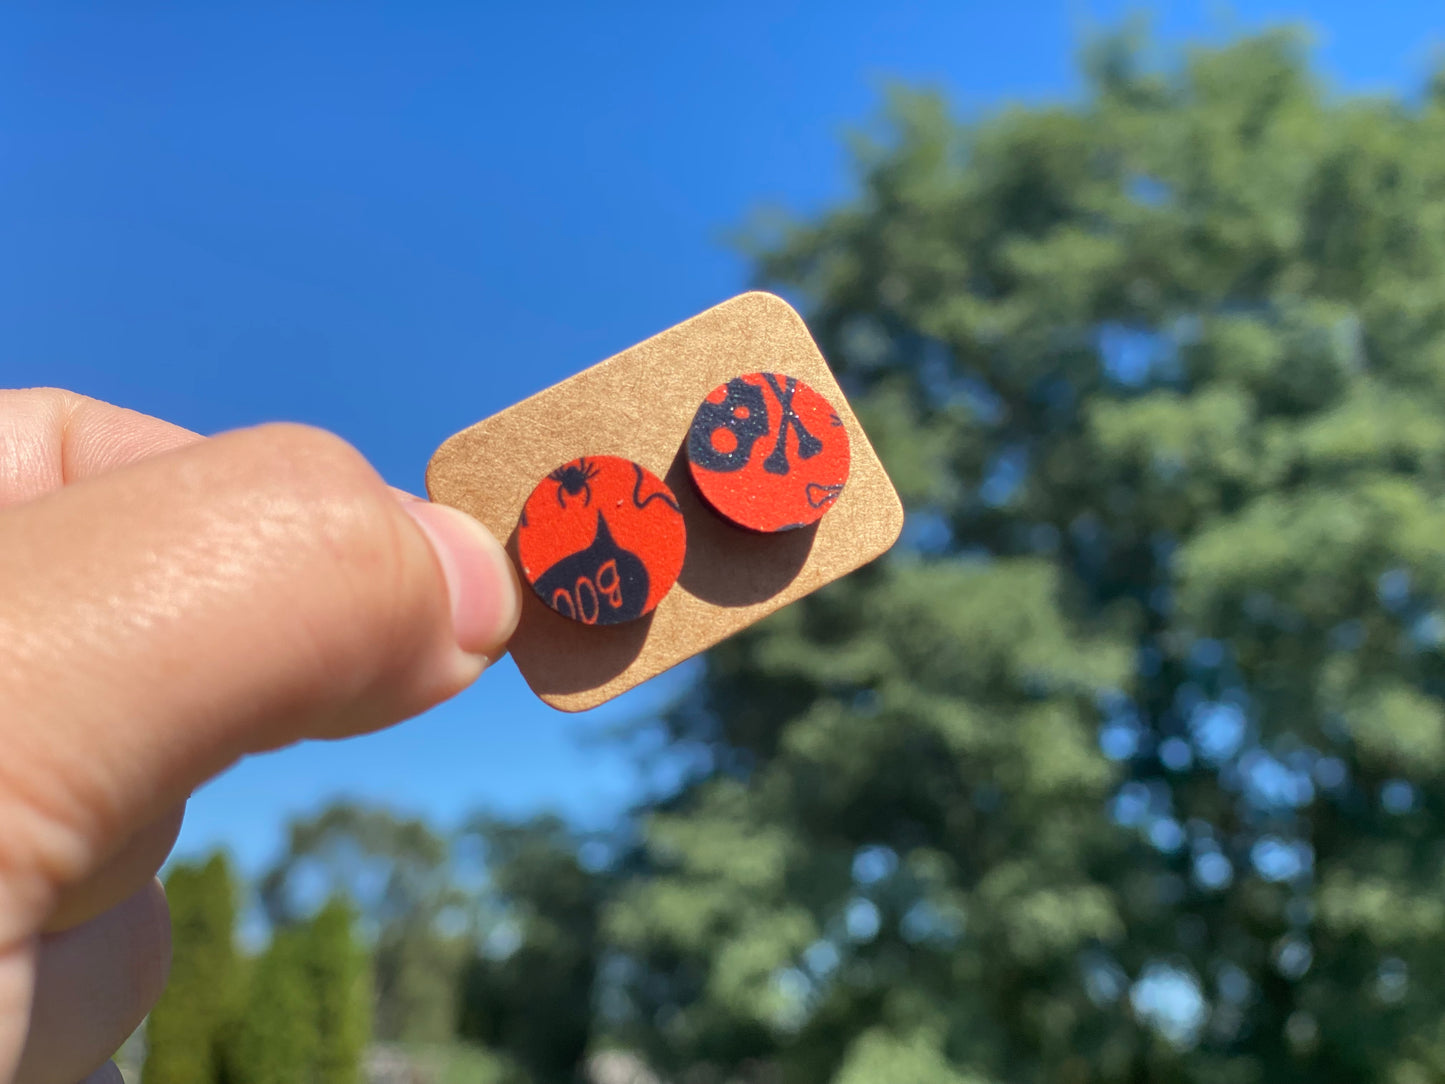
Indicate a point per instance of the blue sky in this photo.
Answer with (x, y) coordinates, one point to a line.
(393, 220)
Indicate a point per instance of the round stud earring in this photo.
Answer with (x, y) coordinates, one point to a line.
(768, 452)
(601, 540)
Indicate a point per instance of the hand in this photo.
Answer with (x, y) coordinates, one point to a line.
(169, 604)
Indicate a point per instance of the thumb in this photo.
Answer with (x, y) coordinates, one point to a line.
(162, 620)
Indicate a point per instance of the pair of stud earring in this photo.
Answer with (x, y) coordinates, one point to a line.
(601, 538)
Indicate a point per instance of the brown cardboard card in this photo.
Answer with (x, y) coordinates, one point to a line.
(639, 405)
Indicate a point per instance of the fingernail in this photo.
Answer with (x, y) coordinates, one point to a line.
(479, 574)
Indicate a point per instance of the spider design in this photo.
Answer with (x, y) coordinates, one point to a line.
(575, 480)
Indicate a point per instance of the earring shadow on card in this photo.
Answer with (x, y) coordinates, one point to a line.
(728, 565)
(560, 656)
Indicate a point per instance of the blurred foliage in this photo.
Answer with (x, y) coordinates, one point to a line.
(398, 872)
(188, 1029)
(300, 1013)
(488, 936)
(308, 1009)
(527, 990)
(1127, 765)
(277, 1039)
(338, 973)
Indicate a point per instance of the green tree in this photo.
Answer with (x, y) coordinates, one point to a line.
(185, 1032)
(307, 1011)
(1127, 765)
(338, 976)
(277, 1038)
(527, 996)
(399, 874)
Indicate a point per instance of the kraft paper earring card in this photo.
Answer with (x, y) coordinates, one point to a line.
(595, 471)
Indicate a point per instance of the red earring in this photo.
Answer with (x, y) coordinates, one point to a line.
(768, 452)
(601, 540)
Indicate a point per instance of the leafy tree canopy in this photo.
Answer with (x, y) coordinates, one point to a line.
(1127, 765)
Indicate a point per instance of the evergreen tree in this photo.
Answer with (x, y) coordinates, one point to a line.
(277, 1038)
(307, 1012)
(1127, 765)
(341, 992)
(186, 1029)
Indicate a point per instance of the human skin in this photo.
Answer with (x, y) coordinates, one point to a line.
(168, 604)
